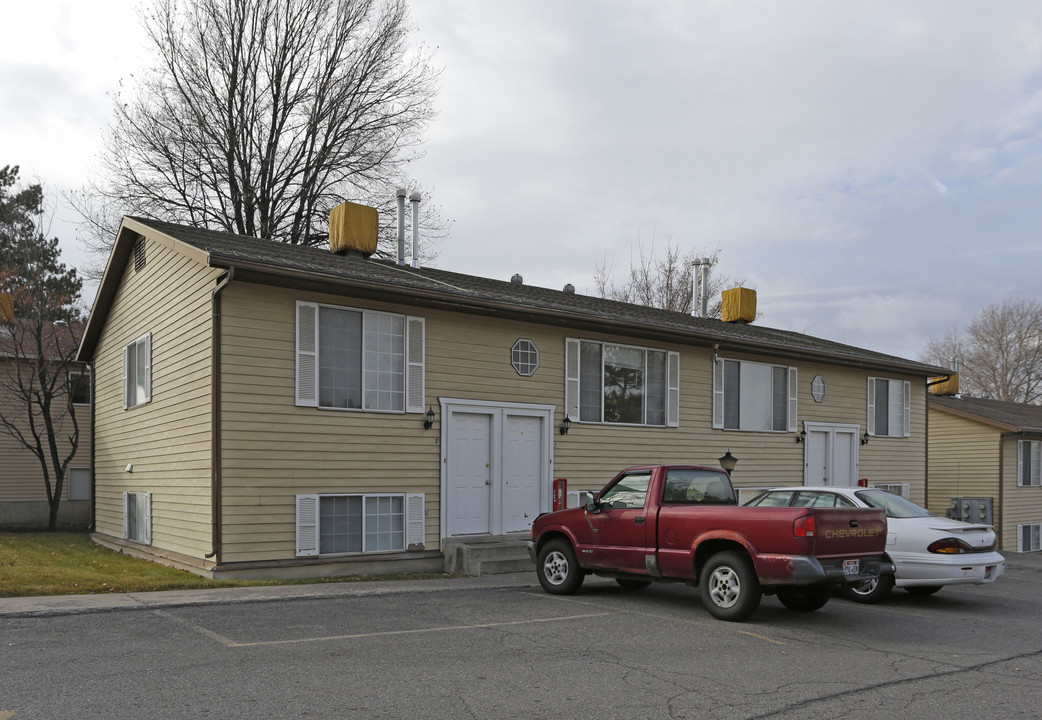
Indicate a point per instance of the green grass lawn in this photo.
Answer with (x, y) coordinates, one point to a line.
(70, 564)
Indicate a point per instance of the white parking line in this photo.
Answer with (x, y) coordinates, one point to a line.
(228, 642)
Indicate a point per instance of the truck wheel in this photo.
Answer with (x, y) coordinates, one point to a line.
(632, 584)
(871, 591)
(729, 587)
(558, 572)
(805, 599)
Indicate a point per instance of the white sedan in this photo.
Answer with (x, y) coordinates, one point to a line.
(928, 551)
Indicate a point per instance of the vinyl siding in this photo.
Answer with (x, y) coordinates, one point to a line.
(168, 440)
(273, 450)
(964, 460)
(1021, 505)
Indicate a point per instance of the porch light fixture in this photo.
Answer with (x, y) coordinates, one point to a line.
(566, 425)
(429, 422)
(802, 436)
(727, 462)
(864, 438)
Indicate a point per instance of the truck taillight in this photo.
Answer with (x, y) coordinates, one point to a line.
(804, 526)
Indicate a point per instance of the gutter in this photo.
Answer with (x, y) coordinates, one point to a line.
(215, 417)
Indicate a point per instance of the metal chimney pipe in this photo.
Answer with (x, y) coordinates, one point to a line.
(696, 269)
(704, 286)
(415, 200)
(401, 225)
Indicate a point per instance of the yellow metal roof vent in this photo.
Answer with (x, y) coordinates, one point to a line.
(739, 305)
(353, 227)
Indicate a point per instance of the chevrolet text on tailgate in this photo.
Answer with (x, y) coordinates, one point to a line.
(682, 523)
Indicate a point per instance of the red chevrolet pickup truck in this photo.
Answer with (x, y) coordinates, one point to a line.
(683, 524)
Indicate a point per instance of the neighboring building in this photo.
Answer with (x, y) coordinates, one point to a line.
(23, 494)
(988, 454)
(262, 408)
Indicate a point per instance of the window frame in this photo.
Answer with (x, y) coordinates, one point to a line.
(139, 502)
(69, 483)
(577, 385)
(906, 408)
(1033, 533)
(721, 392)
(77, 376)
(1033, 450)
(142, 345)
(308, 389)
(309, 523)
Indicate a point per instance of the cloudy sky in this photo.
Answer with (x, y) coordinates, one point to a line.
(873, 169)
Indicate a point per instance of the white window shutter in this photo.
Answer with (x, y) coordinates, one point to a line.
(792, 399)
(126, 395)
(1021, 480)
(307, 354)
(307, 525)
(146, 518)
(571, 379)
(1036, 463)
(907, 409)
(673, 389)
(145, 346)
(126, 504)
(718, 392)
(415, 532)
(415, 352)
(871, 406)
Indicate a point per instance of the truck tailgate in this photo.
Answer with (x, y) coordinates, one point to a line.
(843, 531)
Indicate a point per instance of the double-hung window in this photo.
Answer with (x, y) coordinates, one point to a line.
(137, 372)
(362, 523)
(889, 407)
(137, 517)
(1028, 537)
(752, 396)
(624, 384)
(359, 359)
(1029, 463)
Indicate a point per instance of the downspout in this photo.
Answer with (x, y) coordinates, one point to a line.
(92, 527)
(215, 418)
(926, 439)
(998, 514)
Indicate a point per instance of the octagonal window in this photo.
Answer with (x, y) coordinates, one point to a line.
(524, 357)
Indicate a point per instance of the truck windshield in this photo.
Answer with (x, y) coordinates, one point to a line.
(697, 486)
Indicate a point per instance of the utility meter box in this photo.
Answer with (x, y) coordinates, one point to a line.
(971, 509)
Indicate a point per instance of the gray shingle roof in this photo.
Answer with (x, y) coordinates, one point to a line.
(1019, 416)
(269, 261)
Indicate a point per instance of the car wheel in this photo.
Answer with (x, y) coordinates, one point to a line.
(558, 572)
(729, 587)
(632, 584)
(805, 599)
(869, 591)
(923, 589)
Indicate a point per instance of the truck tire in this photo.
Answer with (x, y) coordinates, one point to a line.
(869, 592)
(631, 584)
(558, 572)
(806, 598)
(729, 587)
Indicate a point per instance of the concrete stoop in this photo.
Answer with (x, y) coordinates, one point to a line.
(486, 554)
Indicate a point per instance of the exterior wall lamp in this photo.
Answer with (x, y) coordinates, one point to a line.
(802, 436)
(728, 462)
(429, 422)
(864, 438)
(566, 425)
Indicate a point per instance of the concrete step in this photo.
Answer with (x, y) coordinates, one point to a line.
(486, 555)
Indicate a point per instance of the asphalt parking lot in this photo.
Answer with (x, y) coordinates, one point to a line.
(501, 648)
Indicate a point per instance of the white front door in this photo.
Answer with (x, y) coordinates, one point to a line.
(523, 450)
(469, 473)
(496, 467)
(830, 455)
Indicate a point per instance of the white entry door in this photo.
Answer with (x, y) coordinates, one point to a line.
(470, 479)
(497, 466)
(830, 455)
(522, 476)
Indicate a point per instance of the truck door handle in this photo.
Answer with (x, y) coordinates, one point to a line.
(638, 521)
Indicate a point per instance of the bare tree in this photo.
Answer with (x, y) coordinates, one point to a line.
(39, 334)
(260, 116)
(664, 282)
(1000, 352)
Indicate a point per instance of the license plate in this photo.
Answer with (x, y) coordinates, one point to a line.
(851, 567)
